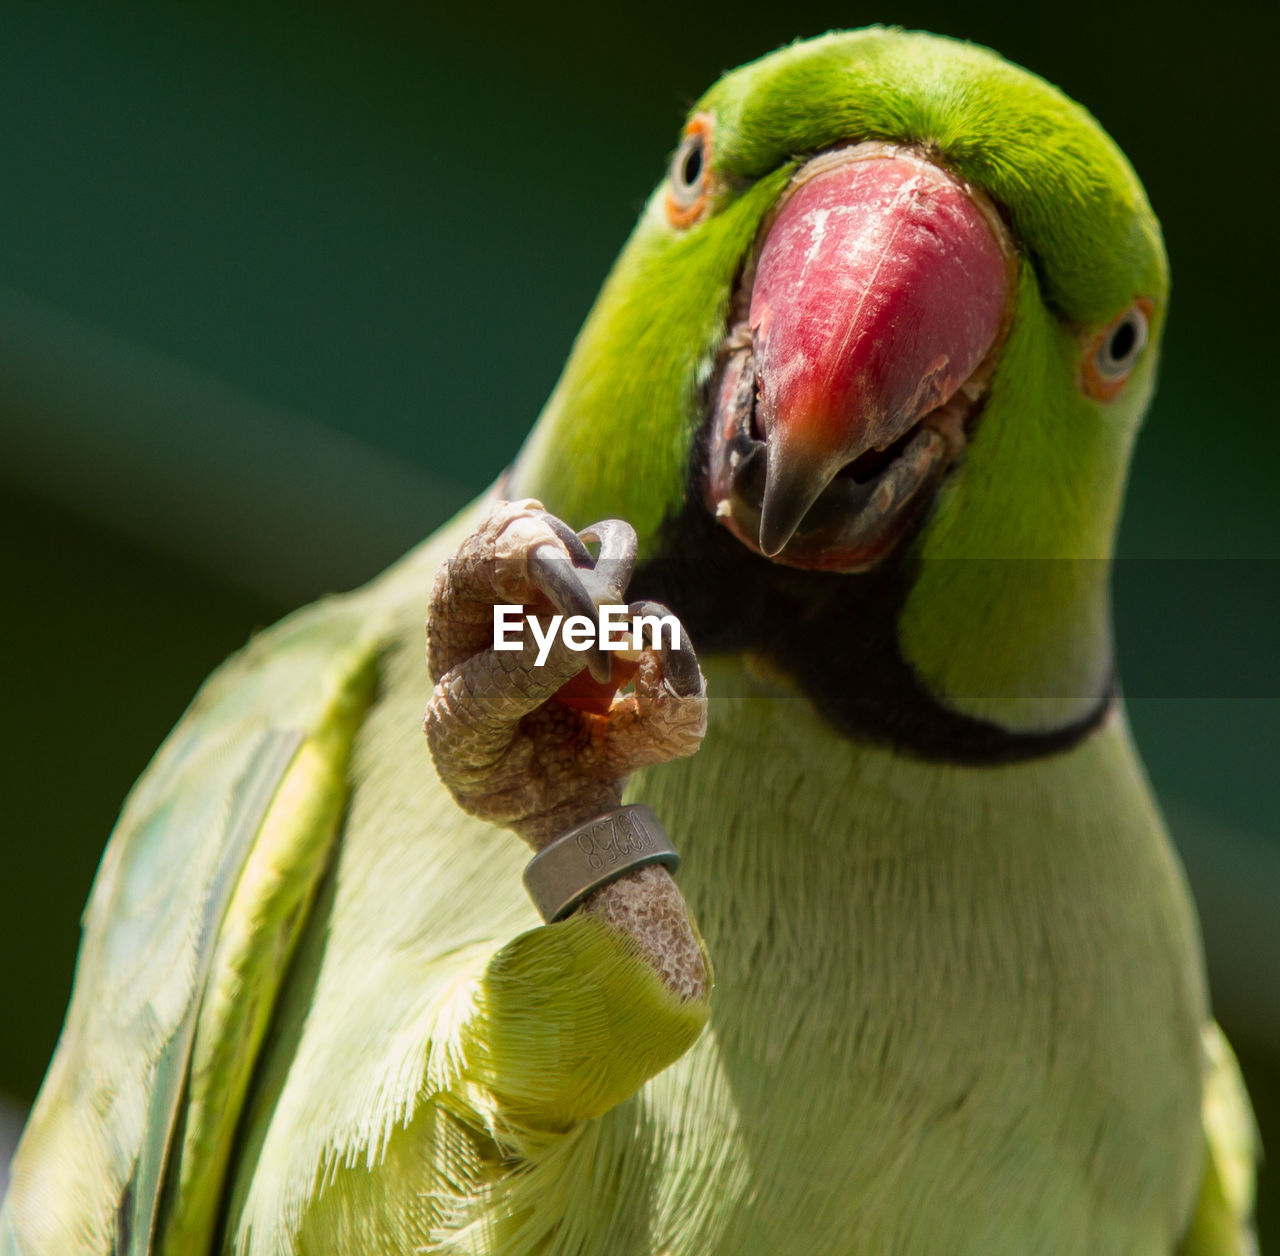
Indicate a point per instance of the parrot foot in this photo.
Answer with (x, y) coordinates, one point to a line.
(542, 746)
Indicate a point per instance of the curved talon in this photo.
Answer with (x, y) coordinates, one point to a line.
(679, 665)
(573, 542)
(617, 557)
(553, 576)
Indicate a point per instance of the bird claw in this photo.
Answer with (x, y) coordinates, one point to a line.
(520, 553)
(531, 745)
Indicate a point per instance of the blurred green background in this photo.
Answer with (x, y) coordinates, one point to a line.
(282, 286)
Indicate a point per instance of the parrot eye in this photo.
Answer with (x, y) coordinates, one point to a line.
(689, 177)
(1115, 351)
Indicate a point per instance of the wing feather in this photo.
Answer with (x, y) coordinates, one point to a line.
(90, 1169)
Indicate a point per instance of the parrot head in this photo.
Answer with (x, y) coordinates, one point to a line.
(882, 337)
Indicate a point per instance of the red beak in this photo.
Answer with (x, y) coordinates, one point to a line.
(882, 284)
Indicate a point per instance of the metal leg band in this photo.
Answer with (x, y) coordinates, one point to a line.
(565, 871)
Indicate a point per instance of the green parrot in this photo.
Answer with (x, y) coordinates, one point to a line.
(856, 405)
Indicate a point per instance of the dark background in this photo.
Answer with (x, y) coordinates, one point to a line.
(282, 287)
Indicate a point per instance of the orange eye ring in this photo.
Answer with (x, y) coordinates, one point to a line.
(689, 178)
(1111, 355)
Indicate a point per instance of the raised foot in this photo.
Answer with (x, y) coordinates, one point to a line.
(540, 747)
